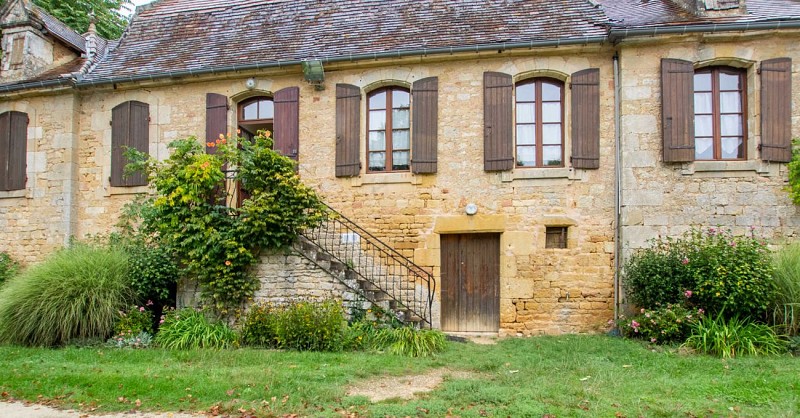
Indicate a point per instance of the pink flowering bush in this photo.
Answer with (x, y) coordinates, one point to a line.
(135, 320)
(667, 324)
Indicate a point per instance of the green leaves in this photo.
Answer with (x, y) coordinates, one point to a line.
(76, 14)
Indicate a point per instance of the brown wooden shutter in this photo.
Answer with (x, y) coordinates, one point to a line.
(130, 128)
(425, 124)
(17, 147)
(287, 121)
(5, 147)
(139, 139)
(216, 119)
(498, 139)
(677, 110)
(776, 110)
(348, 108)
(585, 87)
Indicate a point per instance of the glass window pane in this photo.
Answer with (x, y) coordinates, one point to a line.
(702, 82)
(378, 101)
(551, 112)
(526, 134)
(400, 118)
(400, 98)
(729, 81)
(551, 133)
(526, 93)
(703, 126)
(730, 102)
(703, 148)
(377, 161)
(400, 160)
(526, 156)
(551, 156)
(377, 120)
(266, 109)
(377, 141)
(702, 103)
(526, 112)
(400, 139)
(250, 111)
(551, 92)
(732, 147)
(731, 125)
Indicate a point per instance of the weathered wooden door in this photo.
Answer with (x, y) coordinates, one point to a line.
(470, 282)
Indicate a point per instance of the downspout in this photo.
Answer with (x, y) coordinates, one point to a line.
(617, 186)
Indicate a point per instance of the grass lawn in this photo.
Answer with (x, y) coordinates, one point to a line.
(527, 377)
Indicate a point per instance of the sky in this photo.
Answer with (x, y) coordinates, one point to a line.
(138, 3)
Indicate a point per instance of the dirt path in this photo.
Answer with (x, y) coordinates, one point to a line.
(403, 387)
(21, 410)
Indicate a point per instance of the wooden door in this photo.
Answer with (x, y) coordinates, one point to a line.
(470, 282)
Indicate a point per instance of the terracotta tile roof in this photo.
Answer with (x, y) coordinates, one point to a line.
(638, 13)
(59, 29)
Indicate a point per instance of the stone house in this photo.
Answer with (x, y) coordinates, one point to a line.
(511, 151)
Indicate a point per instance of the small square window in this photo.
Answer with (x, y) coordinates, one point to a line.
(556, 237)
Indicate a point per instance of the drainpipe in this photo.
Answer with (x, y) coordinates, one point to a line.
(617, 186)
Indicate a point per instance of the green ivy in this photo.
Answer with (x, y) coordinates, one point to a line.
(216, 244)
(794, 173)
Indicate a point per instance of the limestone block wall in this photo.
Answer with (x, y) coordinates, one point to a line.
(668, 199)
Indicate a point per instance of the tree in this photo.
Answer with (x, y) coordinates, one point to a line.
(76, 14)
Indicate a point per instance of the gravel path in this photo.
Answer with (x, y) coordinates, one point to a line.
(21, 410)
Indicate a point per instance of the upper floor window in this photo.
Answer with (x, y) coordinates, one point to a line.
(719, 114)
(389, 130)
(539, 123)
(13, 147)
(256, 114)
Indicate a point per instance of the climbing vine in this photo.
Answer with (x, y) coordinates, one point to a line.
(794, 173)
(217, 242)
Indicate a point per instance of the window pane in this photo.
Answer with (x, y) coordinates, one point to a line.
(729, 82)
(703, 148)
(731, 125)
(551, 133)
(703, 125)
(377, 120)
(702, 82)
(378, 101)
(551, 92)
(266, 109)
(551, 112)
(551, 156)
(730, 102)
(400, 139)
(377, 161)
(377, 141)
(526, 93)
(702, 103)
(400, 118)
(526, 134)
(526, 112)
(526, 156)
(732, 147)
(400, 99)
(251, 111)
(400, 160)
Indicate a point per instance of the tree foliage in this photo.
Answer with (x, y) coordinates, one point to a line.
(76, 14)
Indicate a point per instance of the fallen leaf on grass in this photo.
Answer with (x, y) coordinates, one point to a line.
(583, 379)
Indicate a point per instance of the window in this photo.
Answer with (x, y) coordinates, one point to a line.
(255, 115)
(719, 114)
(555, 237)
(539, 123)
(13, 147)
(130, 128)
(389, 130)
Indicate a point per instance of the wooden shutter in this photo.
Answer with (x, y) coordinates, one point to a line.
(585, 87)
(130, 128)
(17, 147)
(287, 121)
(139, 139)
(677, 110)
(216, 119)
(776, 110)
(5, 148)
(425, 124)
(348, 108)
(498, 140)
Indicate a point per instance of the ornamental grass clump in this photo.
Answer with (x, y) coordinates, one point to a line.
(76, 293)
(731, 337)
(786, 308)
(410, 341)
(189, 328)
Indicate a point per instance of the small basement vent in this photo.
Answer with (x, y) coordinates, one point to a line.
(556, 237)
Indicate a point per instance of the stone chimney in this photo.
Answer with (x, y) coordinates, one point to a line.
(91, 39)
(714, 8)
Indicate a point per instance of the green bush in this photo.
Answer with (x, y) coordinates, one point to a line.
(8, 267)
(76, 293)
(189, 328)
(412, 342)
(733, 337)
(312, 326)
(786, 309)
(668, 324)
(136, 320)
(260, 326)
(658, 275)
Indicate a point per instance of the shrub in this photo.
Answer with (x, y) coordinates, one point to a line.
(312, 326)
(668, 324)
(658, 275)
(794, 345)
(412, 342)
(136, 320)
(140, 340)
(733, 337)
(786, 309)
(76, 293)
(260, 326)
(188, 328)
(8, 267)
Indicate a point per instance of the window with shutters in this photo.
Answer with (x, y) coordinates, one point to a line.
(539, 123)
(130, 129)
(13, 149)
(389, 130)
(256, 114)
(719, 114)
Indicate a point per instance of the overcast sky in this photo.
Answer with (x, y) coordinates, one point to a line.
(140, 2)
